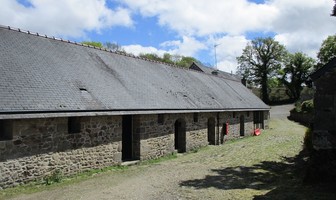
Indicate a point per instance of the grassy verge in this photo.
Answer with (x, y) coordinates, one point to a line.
(269, 166)
(58, 180)
(51, 182)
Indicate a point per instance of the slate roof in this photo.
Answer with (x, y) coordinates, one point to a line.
(208, 70)
(326, 68)
(45, 75)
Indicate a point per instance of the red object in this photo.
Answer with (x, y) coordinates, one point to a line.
(257, 132)
(227, 128)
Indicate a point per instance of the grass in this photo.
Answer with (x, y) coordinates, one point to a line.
(269, 166)
(160, 159)
(57, 180)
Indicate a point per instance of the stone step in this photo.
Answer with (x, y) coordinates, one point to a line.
(130, 163)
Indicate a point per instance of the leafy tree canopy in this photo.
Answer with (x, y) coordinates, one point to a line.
(181, 61)
(260, 60)
(94, 44)
(297, 68)
(327, 51)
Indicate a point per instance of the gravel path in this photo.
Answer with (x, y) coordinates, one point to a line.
(280, 112)
(190, 176)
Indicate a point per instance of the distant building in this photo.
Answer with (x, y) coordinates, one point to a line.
(72, 107)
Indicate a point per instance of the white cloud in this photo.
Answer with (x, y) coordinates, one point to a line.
(201, 17)
(137, 49)
(229, 47)
(301, 25)
(186, 47)
(63, 17)
(189, 46)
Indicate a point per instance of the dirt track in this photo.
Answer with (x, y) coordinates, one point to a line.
(281, 112)
(190, 176)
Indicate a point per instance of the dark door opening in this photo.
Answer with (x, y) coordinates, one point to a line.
(180, 135)
(258, 119)
(212, 131)
(242, 125)
(127, 137)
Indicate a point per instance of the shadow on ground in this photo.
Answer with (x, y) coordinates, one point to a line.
(284, 180)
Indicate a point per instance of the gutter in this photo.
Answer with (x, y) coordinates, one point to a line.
(82, 113)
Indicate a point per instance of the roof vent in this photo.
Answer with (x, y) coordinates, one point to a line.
(83, 89)
(215, 72)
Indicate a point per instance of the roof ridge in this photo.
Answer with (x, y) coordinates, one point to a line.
(89, 46)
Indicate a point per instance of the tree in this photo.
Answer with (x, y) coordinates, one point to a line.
(150, 56)
(334, 10)
(94, 44)
(114, 47)
(261, 59)
(181, 61)
(297, 68)
(327, 51)
(186, 61)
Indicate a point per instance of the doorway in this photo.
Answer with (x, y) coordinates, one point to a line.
(127, 137)
(180, 135)
(211, 131)
(242, 125)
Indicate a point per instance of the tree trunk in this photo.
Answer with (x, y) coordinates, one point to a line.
(264, 89)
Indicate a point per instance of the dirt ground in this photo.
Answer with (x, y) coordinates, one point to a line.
(243, 169)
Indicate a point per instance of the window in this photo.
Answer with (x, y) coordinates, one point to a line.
(160, 118)
(258, 117)
(234, 114)
(248, 113)
(6, 130)
(74, 125)
(195, 117)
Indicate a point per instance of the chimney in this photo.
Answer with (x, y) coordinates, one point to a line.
(215, 72)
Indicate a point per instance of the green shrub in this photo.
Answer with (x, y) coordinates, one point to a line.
(55, 177)
(307, 106)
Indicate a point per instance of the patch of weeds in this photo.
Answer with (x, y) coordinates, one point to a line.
(92, 172)
(50, 181)
(55, 177)
(200, 149)
(160, 159)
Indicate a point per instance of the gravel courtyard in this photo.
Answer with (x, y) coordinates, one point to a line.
(263, 167)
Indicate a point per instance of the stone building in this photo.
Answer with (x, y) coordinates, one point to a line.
(324, 128)
(71, 107)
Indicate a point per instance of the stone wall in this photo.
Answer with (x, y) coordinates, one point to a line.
(39, 146)
(158, 139)
(324, 136)
(233, 119)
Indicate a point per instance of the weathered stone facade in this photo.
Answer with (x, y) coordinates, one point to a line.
(323, 156)
(40, 146)
(325, 112)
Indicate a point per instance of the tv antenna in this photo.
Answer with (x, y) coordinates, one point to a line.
(216, 45)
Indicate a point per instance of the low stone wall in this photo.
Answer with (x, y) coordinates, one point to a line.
(40, 146)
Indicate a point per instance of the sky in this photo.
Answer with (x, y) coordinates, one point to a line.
(182, 27)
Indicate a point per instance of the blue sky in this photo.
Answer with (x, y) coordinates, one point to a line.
(183, 27)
